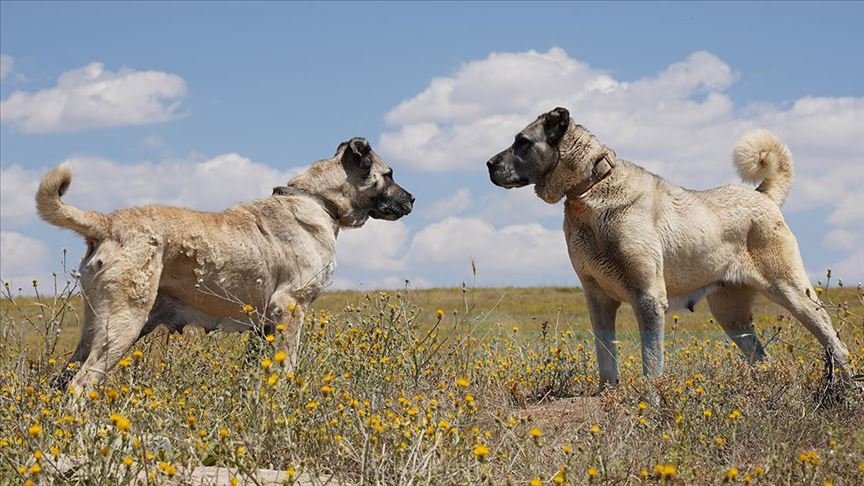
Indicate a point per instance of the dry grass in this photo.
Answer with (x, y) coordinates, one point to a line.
(497, 389)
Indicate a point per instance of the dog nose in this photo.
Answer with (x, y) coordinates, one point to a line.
(412, 198)
(490, 163)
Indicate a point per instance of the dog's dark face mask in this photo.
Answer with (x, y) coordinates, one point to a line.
(533, 154)
(377, 193)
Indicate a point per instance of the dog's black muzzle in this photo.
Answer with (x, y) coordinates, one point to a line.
(502, 171)
(394, 203)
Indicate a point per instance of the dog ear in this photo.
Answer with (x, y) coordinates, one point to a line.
(357, 152)
(555, 123)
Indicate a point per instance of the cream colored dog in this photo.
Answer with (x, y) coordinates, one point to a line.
(633, 237)
(165, 265)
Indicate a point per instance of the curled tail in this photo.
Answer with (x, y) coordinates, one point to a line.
(90, 224)
(761, 158)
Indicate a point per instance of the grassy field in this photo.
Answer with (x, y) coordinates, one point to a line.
(439, 386)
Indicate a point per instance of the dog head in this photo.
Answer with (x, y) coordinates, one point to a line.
(358, 183)
(376, 193)
(534, 152)
(553, 153)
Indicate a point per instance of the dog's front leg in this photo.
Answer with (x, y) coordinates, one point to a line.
(288, 313)
(650, 307)
(603, 310)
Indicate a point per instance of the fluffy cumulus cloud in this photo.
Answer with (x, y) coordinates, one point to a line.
(680, 123)
(105, 185)
(94, 97)
(22, 258)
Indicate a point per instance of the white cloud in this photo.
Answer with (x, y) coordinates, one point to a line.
(442, 253)
(7, 63)
(843, 239)
(17, 195)
(679, 122)
(22, 259)
(93, 97)
(525, 249)
(375, 246)
(452, 205)
(105, 185)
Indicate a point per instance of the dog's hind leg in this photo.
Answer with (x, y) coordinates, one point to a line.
(602, 310)
(731, 307)
(794, 297)
(121, 290)
(787, 284)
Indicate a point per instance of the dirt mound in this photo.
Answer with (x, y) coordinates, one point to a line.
(563, 414)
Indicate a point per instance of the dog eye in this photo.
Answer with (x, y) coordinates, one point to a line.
(521, 143)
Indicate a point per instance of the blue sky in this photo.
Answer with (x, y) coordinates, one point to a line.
(262, 89)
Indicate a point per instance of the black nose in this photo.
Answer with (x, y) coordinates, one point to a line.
(490, 163)
(412, 198)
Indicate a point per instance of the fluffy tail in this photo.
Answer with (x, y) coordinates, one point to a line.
(761, 158)
(90, 224)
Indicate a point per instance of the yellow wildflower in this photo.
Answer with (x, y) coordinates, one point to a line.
(168, 469)
(731, 474)
(35, 430)
(666, 471)
(480, 452)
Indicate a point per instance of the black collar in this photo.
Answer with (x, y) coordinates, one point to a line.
(601, 170)
(328, 205)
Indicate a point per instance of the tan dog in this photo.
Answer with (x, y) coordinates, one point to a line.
(165, 265)
(633, 237)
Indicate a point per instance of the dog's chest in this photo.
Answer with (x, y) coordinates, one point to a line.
(594, 255)
(312, 284)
